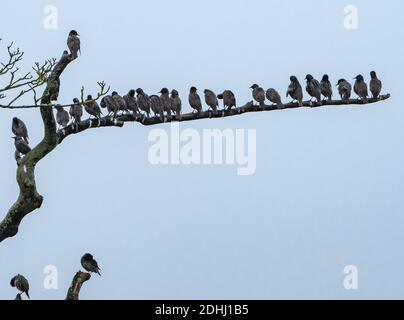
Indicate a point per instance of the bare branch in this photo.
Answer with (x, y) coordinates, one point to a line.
(248, 107)
(74, 290)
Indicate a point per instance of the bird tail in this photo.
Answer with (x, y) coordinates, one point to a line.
(27, 294)
(98, 272)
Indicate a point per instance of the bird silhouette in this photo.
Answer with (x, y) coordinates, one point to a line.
(21, 145)
(110, 103)
(176, 103)
(313, 88)
(274, 97)
(92, 107)
(143, 101)
(74, 44)
(62, 116)
(344, 89)
(195, 100)
(120, 101)
(157, 107)
(361, 88)
(21, 283)
(165, 100)
(76, 111)
(131, 102)
(20, 129)
(229, 99)
(326, 87)
(211, 100)
(295, 90)
(89, 264)
(375, 85)
(258, 94)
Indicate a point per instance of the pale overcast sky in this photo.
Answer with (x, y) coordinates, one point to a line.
(327, 192)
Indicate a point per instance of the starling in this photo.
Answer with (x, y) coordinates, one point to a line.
(62, 116)
(176, 103)
(21, 146)
(76, 110)
(295, 90)
(120, 102)
(92, 107)
(344, 89)
(274, 97)
(375, 85)
(326, 87)
(258, 94)
(195, 100)
(111, 105)
(361, 88)
(229, 99)
(73, 43)
(89, 264)
(20, 129)
(313, 88)
(17, 156)
(21, 283)
(211, 100)
(143, 101)
(157, 106)
(131, 102)
(166, 101)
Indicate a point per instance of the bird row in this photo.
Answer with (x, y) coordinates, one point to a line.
(21, 283)
(169, 104)
(318, 89)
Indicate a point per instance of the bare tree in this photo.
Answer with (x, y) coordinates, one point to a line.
(49, 74)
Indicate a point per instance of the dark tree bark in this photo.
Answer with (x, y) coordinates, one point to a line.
(29, 199)
(74, 290)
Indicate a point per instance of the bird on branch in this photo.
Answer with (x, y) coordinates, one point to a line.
(21, 283)
(89, 264)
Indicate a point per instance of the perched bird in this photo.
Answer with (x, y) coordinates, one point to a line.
(176, 103)
(157, 106)
(143, 101)
(131, 102)
(76, 110)
(258, 94)
(110, 103)
(73, 43)
(375, 85)
(17, 156)
(274, 97)
(361, 88)
(295, 90)
(211, 100)
(20, 129)
(229, 99)
(62, 116)
(21, 146)
(195, 100)
(21, 283)
(344, 89)
(313, 88)
(326, 87)
(165, 100)
(120, 101)
(92, 107)
(89, 264)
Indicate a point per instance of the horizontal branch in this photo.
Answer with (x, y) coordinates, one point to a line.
(248, 107)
